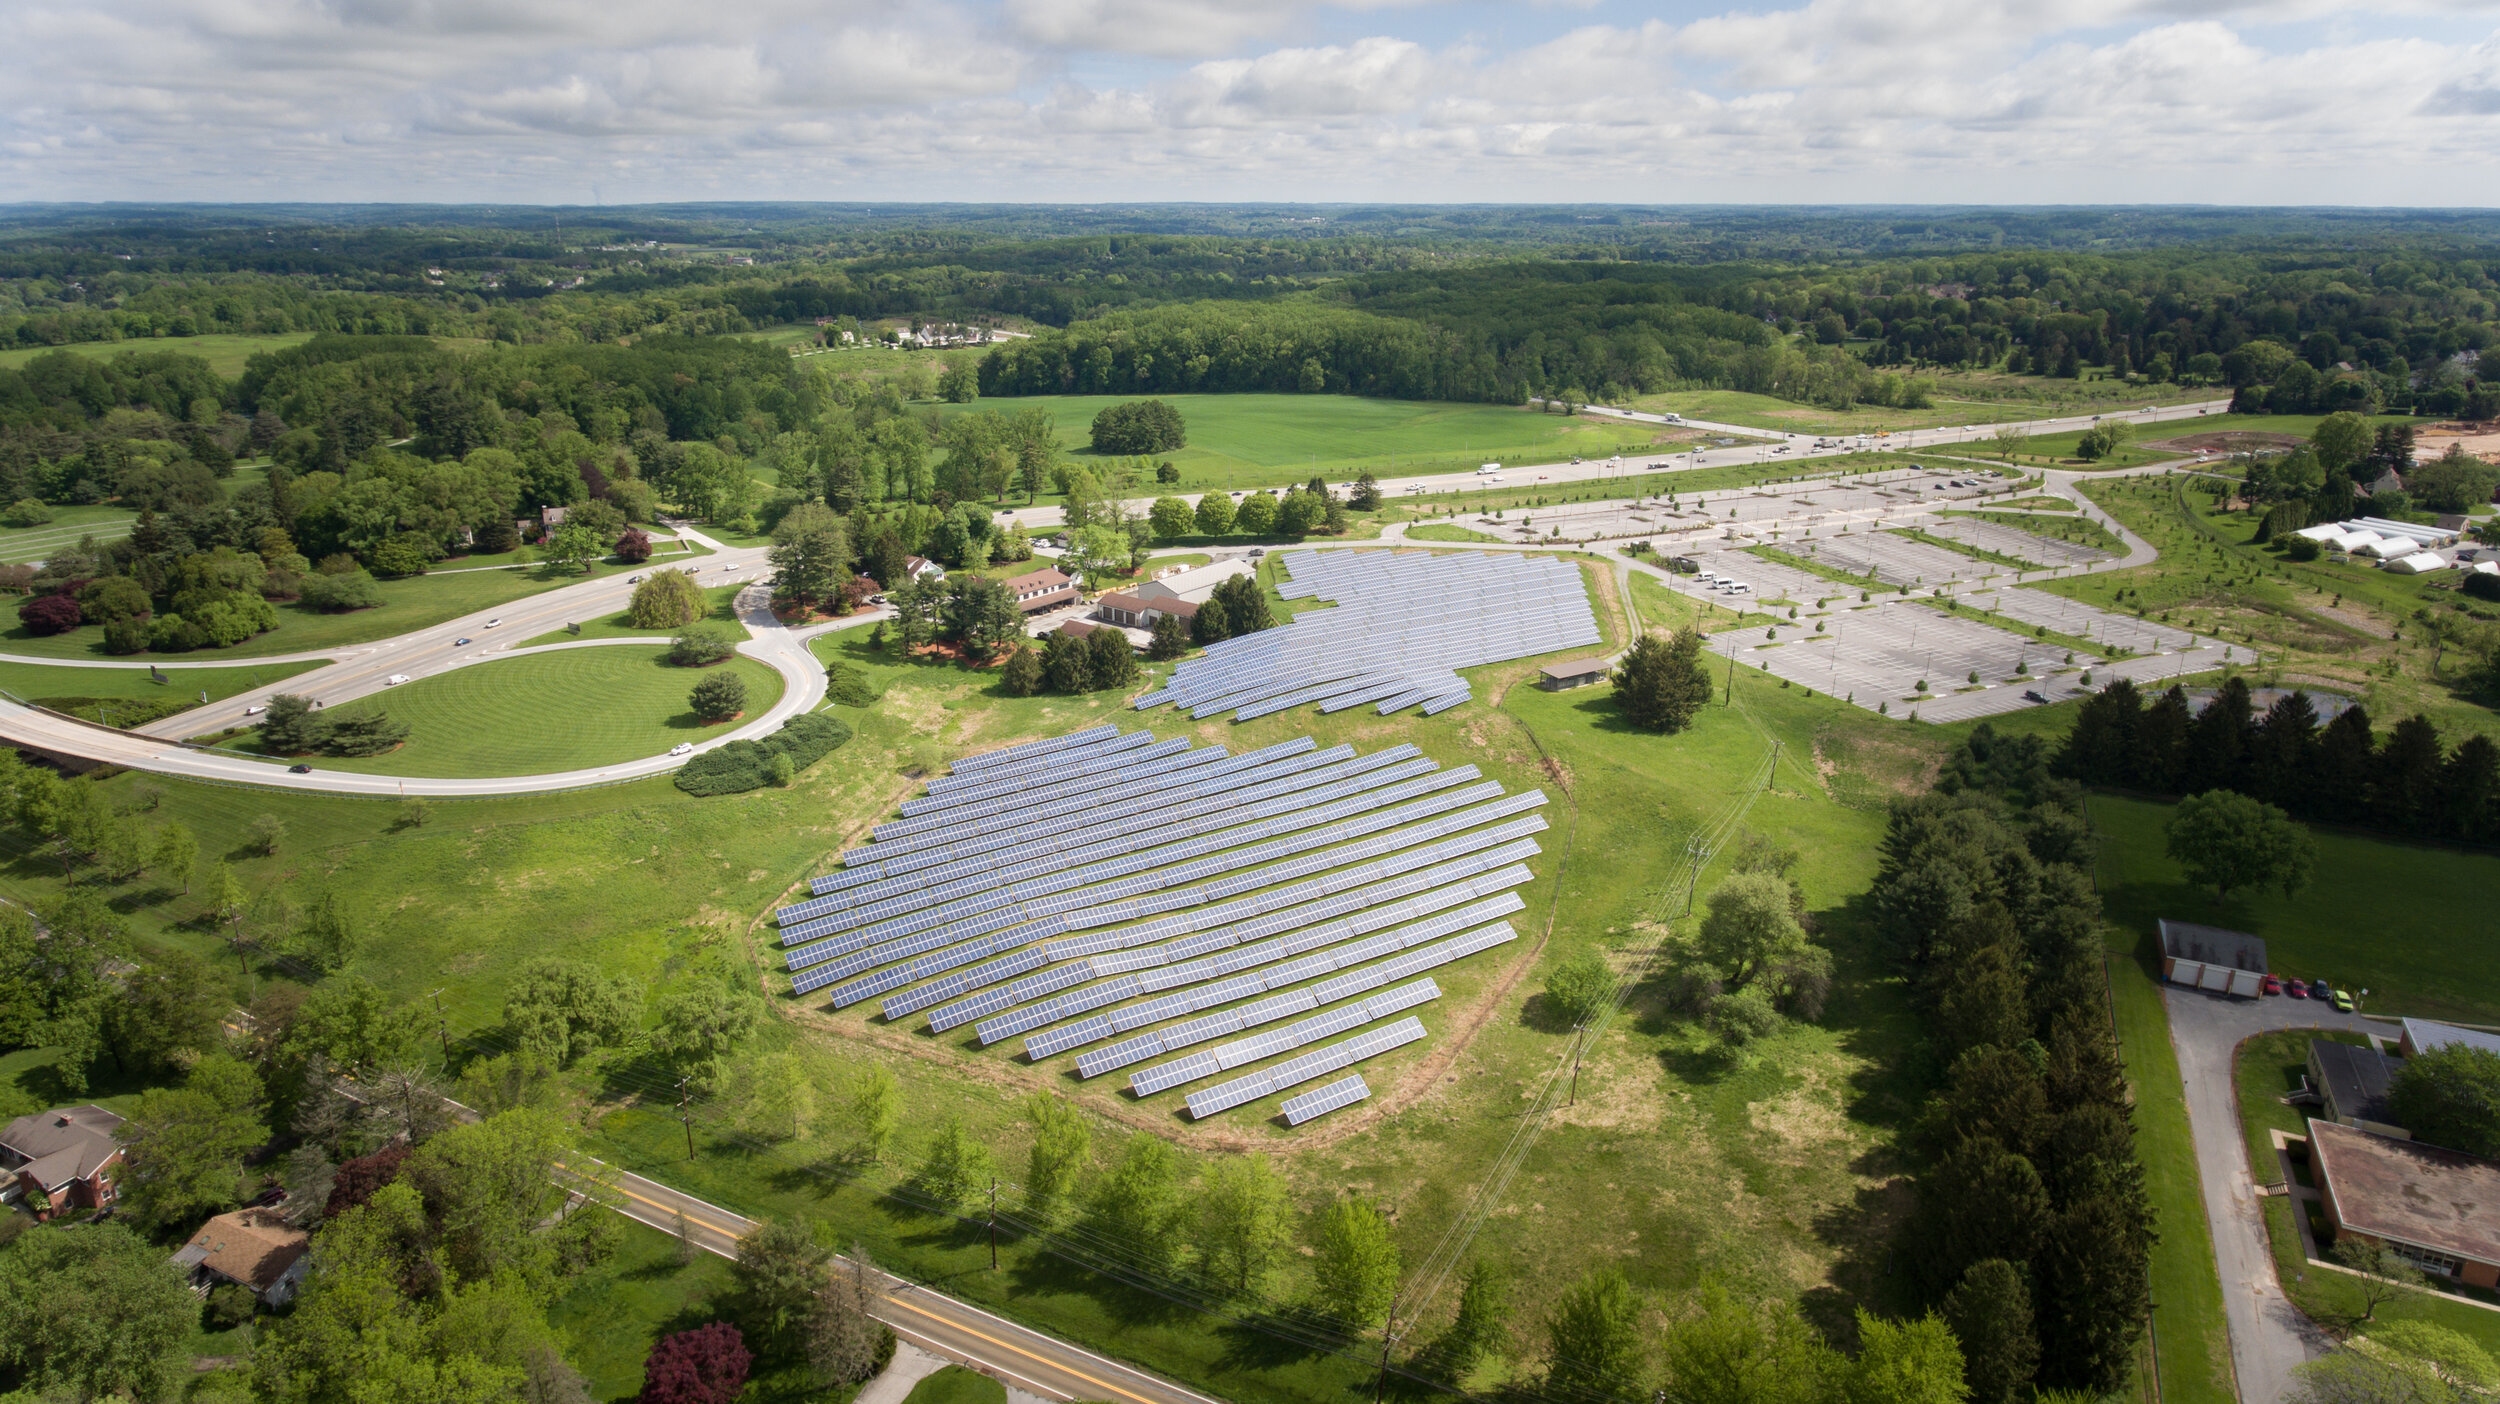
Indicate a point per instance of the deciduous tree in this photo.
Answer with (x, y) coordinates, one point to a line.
(2229, 841)
(1355, 1268)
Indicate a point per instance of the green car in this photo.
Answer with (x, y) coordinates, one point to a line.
(2343, 1002)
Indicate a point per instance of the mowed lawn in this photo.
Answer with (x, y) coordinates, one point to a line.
(722, 610)
(225, 353)
(565, 709)
(37, 681)
(1267, 441)
(2407, 922)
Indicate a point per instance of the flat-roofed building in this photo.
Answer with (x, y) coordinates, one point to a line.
(2438, 1209)
(1572, 672)
(2352, 1083)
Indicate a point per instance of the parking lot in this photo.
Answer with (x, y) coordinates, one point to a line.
(1670, 517)
(1894, 560)
(2010, 541)
(2122, 631)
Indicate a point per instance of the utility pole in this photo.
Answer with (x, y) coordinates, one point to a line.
(685, 1116)
(993, 1223)
(1388, 1337)
(1731, 669)
(1577, 1044)
(442, 1028)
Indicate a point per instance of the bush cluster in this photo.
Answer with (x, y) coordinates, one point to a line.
(750, 765)
(1139, 426)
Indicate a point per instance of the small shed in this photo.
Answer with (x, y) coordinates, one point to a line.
(2351, 1084)
(1572, 672)
(2212, 958)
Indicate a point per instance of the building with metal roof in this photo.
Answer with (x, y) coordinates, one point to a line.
(2422, 1036)
(1572, 672)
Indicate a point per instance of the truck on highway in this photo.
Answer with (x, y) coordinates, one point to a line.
(1483, 469)
(1671, 417)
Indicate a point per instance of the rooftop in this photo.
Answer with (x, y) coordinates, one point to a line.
(251, 1246)
(2427, 1034)
(1047, 578)
(1575, 667)
(2356, 1079)
(2410, 1192)
(2185, 940)
(64, 1144)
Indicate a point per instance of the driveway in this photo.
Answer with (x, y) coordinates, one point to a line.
(2269, 1336)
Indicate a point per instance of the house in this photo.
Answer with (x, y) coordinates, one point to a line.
(68, 1158)
(1572, 672)
(1047, 588)
(922, 568)
(1135, 610)
(1192, 586)
(2351, 1085)
(2422, 1036)
(2387, 482)
(1077, 628)
(2210, 958)
(2438, 1209)
(553, 517)
(254, 1248)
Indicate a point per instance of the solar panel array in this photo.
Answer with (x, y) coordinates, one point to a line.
(1404, 624)
(1108, 886)
(1320, 1101)
(1224, 1096)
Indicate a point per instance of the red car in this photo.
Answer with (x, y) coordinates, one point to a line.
(2299, 990)
(2272, 984)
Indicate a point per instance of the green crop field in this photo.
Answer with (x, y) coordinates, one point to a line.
(1271, 441)
(225, 352)
(565, 709)
(2416, 956)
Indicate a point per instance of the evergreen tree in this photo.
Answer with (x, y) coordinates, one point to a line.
(1021, 676)
(2469, 791)
(2090, 1272)
(1066, 664)
(2217, 741)
(1109, 660)
(2100, 748)
(1662, 685)
(2404, 782)
(2283, 751)
(1990, 1313)
(1210, 625)
(1171, 638)
(2160, 743)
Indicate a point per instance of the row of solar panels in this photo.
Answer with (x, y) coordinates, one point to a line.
(1211, 833)
(1249, 1016)
(1034, 750)
(1300, 1034)
(1132, 757)
(1112, 903)
(1320, 1101)
(1224, 1096)
(1272, 791)
(1438, 863)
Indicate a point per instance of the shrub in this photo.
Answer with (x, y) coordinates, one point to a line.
(634, 547)
(747, 765)
(128, 634)
(2479, 585)
(338, 593)
(229, 1306)
(707, 1365)
(846, 685)
(49, 614)
(2301, 548)
(1139, 426)
(26, 512)
(666, 599)
(718, 695)
(404, 554)
(496, 538)
(701, 644)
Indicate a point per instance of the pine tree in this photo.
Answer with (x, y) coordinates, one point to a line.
(2160, 741)
(1990, 1313)
(2404, 785)
(1021, 676)
(2217, 741)
(1171, 638)
(1662, 685)
(2101, 746)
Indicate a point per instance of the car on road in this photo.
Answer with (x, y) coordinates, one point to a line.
(2343, 1001)
(255, 709)
(495, 623)
(682, 748)
(2298, 990)
(2033, 696)
(1487, 469)
(460, 643)
(299, 768)
(395, 680)
(633, 580)
(2271, 985)
(2320, 989)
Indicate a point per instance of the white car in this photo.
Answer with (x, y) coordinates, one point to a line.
(1488, 468)
(494, 623)
(395, 680)
(682, 748)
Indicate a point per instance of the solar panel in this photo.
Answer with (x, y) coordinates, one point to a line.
(1320, 1101)
(1224, 1096)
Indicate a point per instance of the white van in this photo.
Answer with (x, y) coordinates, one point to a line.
(1671, 417)
(1489, 468)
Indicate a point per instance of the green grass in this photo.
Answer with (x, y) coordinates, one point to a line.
(723, 610)
(1270, 441)
(2082, 531)
(957, 1385)
(36, 681)
(224, 352)
(2266, 1067)
(2393, 918)
(572, 709)
(2195, 1343)
(414, 603)
(1443, 531)
(2025, 504)
(2329, 1297)
(1961, 398)
(609, 1319)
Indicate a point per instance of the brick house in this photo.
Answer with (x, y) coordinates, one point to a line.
(68, 1158)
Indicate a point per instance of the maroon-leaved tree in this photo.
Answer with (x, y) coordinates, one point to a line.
(634, 547)
(49, 614)
(359, 1179)
(707, 1365)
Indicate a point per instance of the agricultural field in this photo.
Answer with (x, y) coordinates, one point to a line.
(1244, 441)
(225, 352)
(616, 702)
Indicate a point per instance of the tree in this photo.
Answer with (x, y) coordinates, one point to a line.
(175, 855)
(2355, 1376)
(701, 645)
(356, 1182)
(1355, 1270)
(845, 1342)
(1990, 1313)
(1137, 1205)
(1172, 517)
(263, 834)
(2450, 1097)
(1214, 514)
(955, 1166)
(92, 1312)
(1593, 1339)
(186, 1144)
(226, 903)
(338, 594)
(1210, 625)
(1365, 496)
(1662, 685)
(168, 1015)
(1096, 551)
(811, 555)
(1138, 426)
(1244, 605)
(1905, 1362)
(875, 1110)
(718, 696)
(1110, 660)
(326, 938)
(560, 1010)
(2341, 441)
(574, 545)
(1478, 1329)
(352, 1024)
(1748, 927)
(2380, 1274)
(2230, 841)
(1242, 1228)
(1730, 1352)
(1255, 515)
(1169, 638)
(291, 727)
(700, 1024)
(707, 1365)
(1062, 1146)
(666, 599)
(982, 615)
(1579, 987)
(776, 1278)
(1021, 676)
(633, 546)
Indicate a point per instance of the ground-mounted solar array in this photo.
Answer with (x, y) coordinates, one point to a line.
(1404, 623)
(1197, 916)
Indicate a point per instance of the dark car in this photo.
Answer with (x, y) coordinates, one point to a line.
(299, 768)
(2320, 989)
(2030, 695)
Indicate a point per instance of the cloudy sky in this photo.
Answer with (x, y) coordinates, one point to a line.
(575, 101)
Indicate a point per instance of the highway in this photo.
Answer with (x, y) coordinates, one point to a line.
(929, 1319)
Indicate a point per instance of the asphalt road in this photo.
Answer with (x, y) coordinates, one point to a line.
(2269, 1336)
(1023, 1357)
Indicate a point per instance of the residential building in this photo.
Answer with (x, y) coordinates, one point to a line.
(922, 568)
(1047, 588)
(67, 1158)
(253, 1247)
(2438, 1209)
(1135, 610)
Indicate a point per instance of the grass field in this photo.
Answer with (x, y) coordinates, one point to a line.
(1444, 531)
(36, 681)
(414, 603)
(1270, 441)
(2194, 1341)
(224, 352)
(2081, 530)
(723, 610)
(2329, 1298)
(957, 1385)
(2266, 1067)
(617, 703)
(2380, 915)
